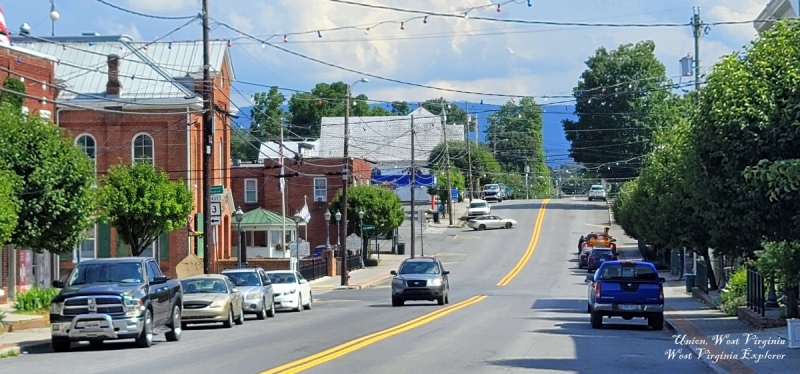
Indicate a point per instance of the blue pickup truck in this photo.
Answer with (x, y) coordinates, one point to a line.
(627, 289)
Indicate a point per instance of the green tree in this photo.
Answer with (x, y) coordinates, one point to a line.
(382, 209)
(143, 204)
(267, 114)
(400, 108)
(457, 180)
(9, 210)
(618, 99)
(780, 260)
(54, 195)
(243, 145)
(379, 111)
(484, 167)
(454, 114)
(324, 100)
(11, 98)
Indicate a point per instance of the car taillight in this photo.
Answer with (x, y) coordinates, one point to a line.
(597, 290)
(661, 292)
(591, 257)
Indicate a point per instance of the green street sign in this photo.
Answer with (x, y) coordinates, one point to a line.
(216, 190)
(369, 227)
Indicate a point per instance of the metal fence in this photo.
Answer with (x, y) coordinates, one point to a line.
(755, 291)
(701, 276)
(314, 268)
(353, 262)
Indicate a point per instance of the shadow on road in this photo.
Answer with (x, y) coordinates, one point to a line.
(404, 306)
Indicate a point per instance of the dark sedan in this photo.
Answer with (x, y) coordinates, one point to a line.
(598, 256)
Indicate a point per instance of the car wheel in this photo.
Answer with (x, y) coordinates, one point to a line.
(588, 308)
(271, 311)
(656, 321)
(397, 302)
(60, 344)
(145, 339)
(263, 313)
(597, 320)
(447, 298)
(229, 323)
(308, 306)
(240, 320)
(481, 227)
(588, 270)
(299, 303)
(508, 225)
(175, 327)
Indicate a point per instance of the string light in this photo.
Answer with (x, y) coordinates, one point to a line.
(230, 44)
(498, 8)
(285, 39)
(169, 45)
(319, 34)
(425, 19)
(265, 46)
(529, 4)
(366, 31)
(402, 25)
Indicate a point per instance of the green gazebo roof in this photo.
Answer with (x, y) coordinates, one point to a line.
(264, 217)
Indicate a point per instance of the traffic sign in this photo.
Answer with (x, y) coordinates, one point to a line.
(216, 190)
(215, 221)
(454, 194)
(216, 210)
(216, 198)
(368, 227)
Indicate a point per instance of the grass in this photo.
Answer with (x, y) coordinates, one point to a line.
(11, 353)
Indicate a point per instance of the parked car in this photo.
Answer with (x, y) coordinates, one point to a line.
(211, 298)
(627, 289)
(583, 260)
(598, 256)
(292, 291)
(115, 298)
(493, 192)
(478, 208)
(256, 289)
(597, 192)
(420, 278)
(491, 222)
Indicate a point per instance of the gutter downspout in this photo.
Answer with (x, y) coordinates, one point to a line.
(189, 171)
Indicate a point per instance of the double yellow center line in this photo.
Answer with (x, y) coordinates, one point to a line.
(537, 230)
(353, 345)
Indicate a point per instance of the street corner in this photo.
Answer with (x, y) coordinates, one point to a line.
(374, 282)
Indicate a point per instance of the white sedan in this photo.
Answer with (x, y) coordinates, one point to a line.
(491, 222)
(291, 291)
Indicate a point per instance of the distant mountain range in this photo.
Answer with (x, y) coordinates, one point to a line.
(556, 146)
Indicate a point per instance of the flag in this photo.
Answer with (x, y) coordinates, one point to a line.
(305, 214)
(281, 182)
(5, 36)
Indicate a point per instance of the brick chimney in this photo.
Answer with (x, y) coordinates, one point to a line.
(113, 86)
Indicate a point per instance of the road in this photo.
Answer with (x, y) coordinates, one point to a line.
(535, 320)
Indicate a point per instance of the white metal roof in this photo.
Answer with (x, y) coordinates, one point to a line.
(269, 150)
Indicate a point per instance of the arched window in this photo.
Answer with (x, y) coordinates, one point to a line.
(142, 150)
(89, 147)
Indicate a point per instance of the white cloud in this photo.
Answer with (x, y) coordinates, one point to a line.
(120, 29)
(161, 6)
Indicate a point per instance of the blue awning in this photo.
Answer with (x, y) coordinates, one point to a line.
(401, 180)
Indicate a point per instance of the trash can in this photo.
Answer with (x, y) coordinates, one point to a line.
(689, 282)
(401, 248)
(436, 217)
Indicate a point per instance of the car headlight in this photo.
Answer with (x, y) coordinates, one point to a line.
(398, 282)
(436, 282)
(252, 296)
(217, 304)
(133, 306)
(290, 292)
(56, 308)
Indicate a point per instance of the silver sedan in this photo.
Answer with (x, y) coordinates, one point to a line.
(491, 222)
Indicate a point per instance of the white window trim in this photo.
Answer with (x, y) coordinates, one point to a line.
(152, 141)
(94, 159)
(156, 251)
(325, 195)
(255, 183)
(78, 248)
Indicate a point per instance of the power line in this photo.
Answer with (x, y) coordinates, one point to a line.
(117, 7)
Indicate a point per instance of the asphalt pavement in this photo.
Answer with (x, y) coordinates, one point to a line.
(535, 320)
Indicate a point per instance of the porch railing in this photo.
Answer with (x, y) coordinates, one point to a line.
(701, 276)
(314, 268)
(755, 291)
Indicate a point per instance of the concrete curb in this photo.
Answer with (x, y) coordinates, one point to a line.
(358, 286)
(675, 330)
(24, 347)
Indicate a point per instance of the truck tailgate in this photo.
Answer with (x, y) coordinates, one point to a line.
(629, 292)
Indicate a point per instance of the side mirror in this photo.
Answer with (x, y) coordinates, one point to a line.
(303, 281)
(661, 280)
(159, 279)
(446, 272)
(58, 284)
(235, 290)
(393, 272)
(589, 279)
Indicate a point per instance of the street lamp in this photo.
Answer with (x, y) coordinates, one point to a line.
(361, 223)
(238, 215)
(338, 220)
(54, 16)
(327, 230)
(297, 219)
(346, 174)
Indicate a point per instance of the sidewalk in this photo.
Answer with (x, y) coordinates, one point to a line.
(21, 330)
(459, 212)
(362, 278)
(743, 349)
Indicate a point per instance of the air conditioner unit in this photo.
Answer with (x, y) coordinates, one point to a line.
(319, 199)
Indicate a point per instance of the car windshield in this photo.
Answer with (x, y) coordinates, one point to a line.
(244, 279)
(597, 188)
(120, 272)
(417, 267)
(604, 254)
(204, 286)
(282, 278)
(491, 188)
(628, 271)
(477, 205)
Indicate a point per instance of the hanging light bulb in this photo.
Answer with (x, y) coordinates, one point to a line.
(604, 90)
(169, 45)
(498, 8)
(285, 38)
(481, 101)
(402, 25)
(265, 46)
(425, 19)
(366, 31)
(64, 47)
(529, 4)
(319, 34)
(590, 101)
(630, 85)
(319, 102)
(466, 15)
(545, 98)
(230, 44)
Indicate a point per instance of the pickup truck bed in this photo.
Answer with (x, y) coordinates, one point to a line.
(626, 289)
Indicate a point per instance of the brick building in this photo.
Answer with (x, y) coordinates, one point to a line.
(256, 185)
(32, 68)
(123, 101)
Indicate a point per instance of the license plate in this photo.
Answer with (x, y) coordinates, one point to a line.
(91, 325)
(629, 307)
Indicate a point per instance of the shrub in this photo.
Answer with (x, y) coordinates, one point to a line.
(35, 299)
(733, 296)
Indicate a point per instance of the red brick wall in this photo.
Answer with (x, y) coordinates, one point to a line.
(35, 69)
(296, 188)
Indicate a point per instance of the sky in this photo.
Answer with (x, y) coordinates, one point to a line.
(496, 61)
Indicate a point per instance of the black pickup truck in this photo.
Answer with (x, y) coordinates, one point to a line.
(116, 298)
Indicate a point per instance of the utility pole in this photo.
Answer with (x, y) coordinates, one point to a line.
(208, 139)
(494, 139)
(282, 186)
(447, 167)
(345, 182)
(697, 26)
(469, 159)
(413, 187)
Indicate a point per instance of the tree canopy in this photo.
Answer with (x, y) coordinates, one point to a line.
(454, 114)
(267, 114)
(142, 204)
(55, 178)
(9, 210)
(619, 98)
(382, 209)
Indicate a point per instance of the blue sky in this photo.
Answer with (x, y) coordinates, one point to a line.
(456, 53)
